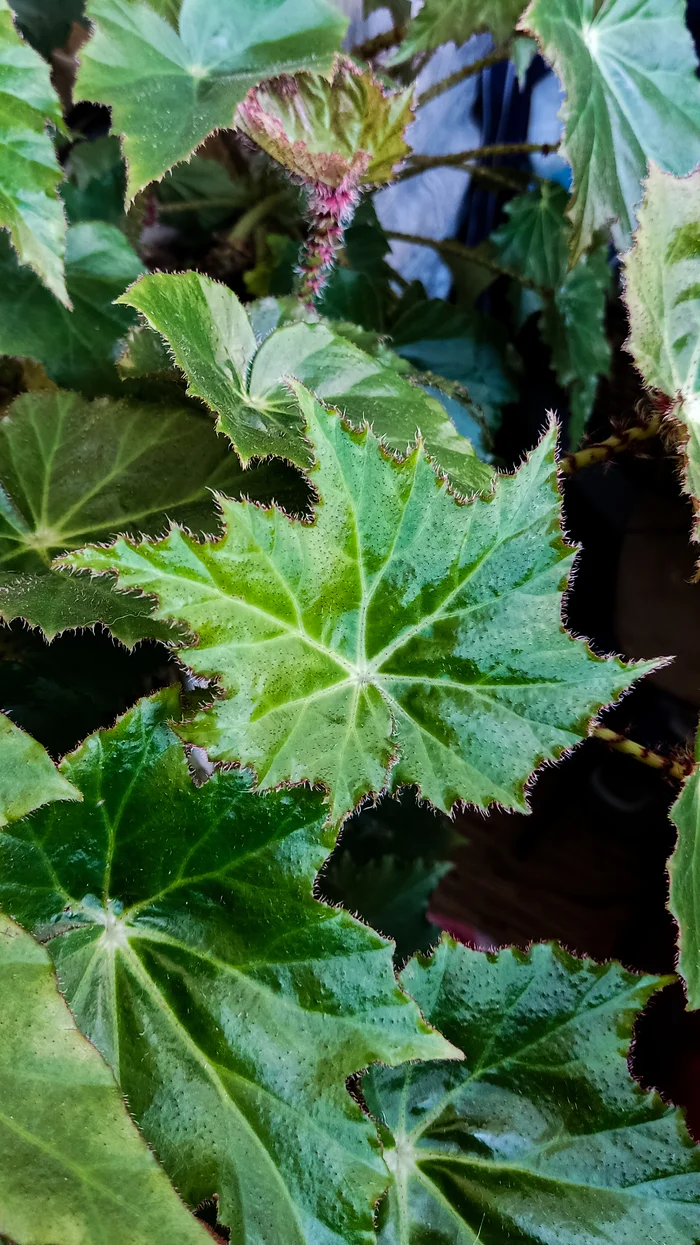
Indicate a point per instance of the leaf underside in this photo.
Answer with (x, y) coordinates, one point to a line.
(402, 637)
(540, 1134)
(230, 1003)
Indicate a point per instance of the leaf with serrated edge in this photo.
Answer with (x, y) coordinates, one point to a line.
(29, 171)
(402, 637)
(662, 292)
(455, 21)
(230, 1003)
(73, 1167)
(78, 348)
(169, 83)
(28, 776)
(214, 344)
(632, 96)
(684, 898)
(541, 1134)
(56, 602)
(534, 242)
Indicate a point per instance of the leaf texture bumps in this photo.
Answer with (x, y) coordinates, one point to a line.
(399, 638)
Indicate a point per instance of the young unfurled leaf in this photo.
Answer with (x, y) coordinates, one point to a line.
(28, 776)
(73, 1167)
(608, 55)
(401, 638)
(78, 348)
(173, 74)
(229, 1002)
(534, 242)
(29, 171)
(540, 1135)
(685, 881)
(213, 342)
(455, 21)
(341, 132)
(662, 280)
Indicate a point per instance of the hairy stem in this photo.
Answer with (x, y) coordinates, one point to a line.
(419, 163)
(330, 210)
(467, 71)
(605, 450)
(620, 743)
(372, 47)
(450, 246)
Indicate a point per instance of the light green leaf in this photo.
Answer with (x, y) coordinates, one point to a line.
(29, 171)
(632, 95)
(401, 638)
(229, 1002)
(685, 891)
(540, 1135)
(28, 777)
(213, 342)
(78, 348)
(455, 21)
(173, 75)
(662, 291)
(534, 242)
(73, 1166)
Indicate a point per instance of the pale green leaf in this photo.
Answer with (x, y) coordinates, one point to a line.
(685, 885)
(78, 348)
(28, 776)
(73, 1167)
(455, 21)
(534, 242)
(347, 130)
(662, 291)
(540, 1136)
(29, 171)
(172, 76)
(213, 342)
(632, 95)
(230, 1003)
(402, 637)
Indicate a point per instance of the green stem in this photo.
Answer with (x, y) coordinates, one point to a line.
(419, 163)
(467, 71)
(620, 743)
(450, 246)
(605, 450)
(372, 47)
(248, 222)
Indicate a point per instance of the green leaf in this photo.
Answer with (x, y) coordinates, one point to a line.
(29, 171)
(28, 777)
(213, 342)
(662, 291)
(78, 348)
(684, 890)
(455, 21)
(534, 242)
(230, 1003)
(347, 131)
(56, 602)
(95, 181)
(540, 1135)
(172, 75)
(74, 1168)
(47, 26)
(632, 95)
(401, 638)
(73, 470)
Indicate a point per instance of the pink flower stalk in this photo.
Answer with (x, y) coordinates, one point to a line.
(331, 209)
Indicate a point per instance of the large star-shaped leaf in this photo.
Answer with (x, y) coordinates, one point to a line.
(229, 1002)
(73, 470)
(534, 242)
(540, 1135)
(172, 74)
(455, 21)
(662, 291)
(73, 1167)
(628, 70)
(29, 171)
(685, 880)
(402, 636)
(28, 776)
(213, 342)
(78, 348)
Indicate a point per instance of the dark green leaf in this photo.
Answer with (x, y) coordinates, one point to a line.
(95, 182)
(685, 881)
(28, 777)
(455, 21)
(47, 25)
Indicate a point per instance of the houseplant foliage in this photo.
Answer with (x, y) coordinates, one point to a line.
(236, 442)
